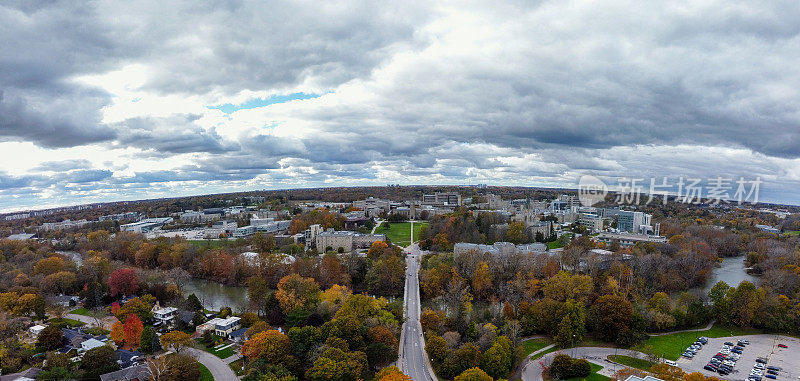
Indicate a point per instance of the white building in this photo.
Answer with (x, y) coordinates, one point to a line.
(225, 326)
(165, 314)
(627, 239)
(244, 231)
(634, 222)
(145, 225)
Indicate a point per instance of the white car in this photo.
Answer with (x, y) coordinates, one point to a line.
(670, 363)
(759, 366)
(729, 363)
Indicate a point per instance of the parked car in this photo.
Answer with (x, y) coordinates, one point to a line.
(761, 360)
(783, 346)
(670, 363)
(728, 343)
(709, 367)
(771, 376)
(775, 372)
(773, 367)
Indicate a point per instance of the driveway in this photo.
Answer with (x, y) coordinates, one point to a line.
(219, 369)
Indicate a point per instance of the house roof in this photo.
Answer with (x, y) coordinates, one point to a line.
(29, 374)
(138, 372)
(238, 333)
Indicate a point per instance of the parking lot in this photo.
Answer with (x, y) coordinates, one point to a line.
(766, 346)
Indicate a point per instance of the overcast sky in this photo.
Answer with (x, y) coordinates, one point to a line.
(129, 100)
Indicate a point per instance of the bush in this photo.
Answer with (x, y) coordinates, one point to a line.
(564, 367)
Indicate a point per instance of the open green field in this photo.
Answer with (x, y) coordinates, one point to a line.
(792, 232)
(80, 311)
(592, 376)
(400, 232)
(223, 354)
(533, 345)
(66, 322)
(632, 362)
(671, 346)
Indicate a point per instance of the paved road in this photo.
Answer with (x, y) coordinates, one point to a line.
(413, 359)
(532, 371)
(219, 369)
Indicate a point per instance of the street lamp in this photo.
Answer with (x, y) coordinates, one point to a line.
(573, 346)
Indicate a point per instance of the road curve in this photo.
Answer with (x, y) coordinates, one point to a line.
(219, 369)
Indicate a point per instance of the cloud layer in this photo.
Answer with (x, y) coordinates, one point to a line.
(111, 101)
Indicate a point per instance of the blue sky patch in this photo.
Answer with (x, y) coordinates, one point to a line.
(261, 102)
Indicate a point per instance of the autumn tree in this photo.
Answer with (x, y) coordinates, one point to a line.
(175, 341)
(118, 332)
(473, 374)
(391, 373)
(297, 293)
(123, 282)
(272, 346)
(132, 330)
(481, 280)
(611, 314)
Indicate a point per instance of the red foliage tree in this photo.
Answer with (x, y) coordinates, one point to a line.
(132, 330)
(123, 281)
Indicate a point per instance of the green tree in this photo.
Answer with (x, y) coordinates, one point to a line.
(100, 360)
(497, 360)
(572, 328)
(50, 338)
(193, 303)
(146, 343)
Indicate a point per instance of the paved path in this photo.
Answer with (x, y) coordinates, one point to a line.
(219, 369)
(532, 371)
(706, 328)
(413, 360)
(376, 226)
(105, 322)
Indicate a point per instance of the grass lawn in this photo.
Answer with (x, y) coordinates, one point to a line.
(792, 232)
(205, 374)
(631, 362)
(400, 232)
(80, 311)
(554, 245)
(671, 346)
(533, 345)
(592, 376)
(223, 354)
(66, 322)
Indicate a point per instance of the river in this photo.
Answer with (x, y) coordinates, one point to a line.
(731, 271)
(215, 295)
